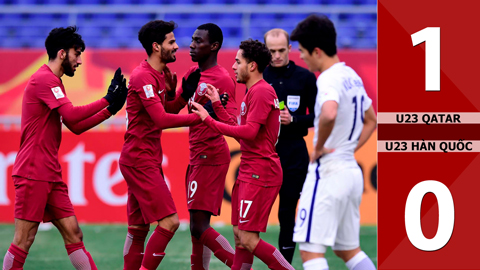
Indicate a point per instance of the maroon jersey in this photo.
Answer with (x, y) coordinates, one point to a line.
(142, 140)
(260, 163)
(208, 147)
(41, 130)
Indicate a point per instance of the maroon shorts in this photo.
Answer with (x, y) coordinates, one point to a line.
(204, 185)
(149, 198)
(41, 201)
(251, 205)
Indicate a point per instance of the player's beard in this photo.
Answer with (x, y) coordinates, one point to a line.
(67, 67)
(168, 56)
(242, 76)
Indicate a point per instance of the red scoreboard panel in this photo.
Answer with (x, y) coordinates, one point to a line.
(428, 134)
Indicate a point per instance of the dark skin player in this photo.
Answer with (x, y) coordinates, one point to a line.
(204, 53)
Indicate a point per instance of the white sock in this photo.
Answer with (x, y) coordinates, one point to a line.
(316, 264)
(360, 262)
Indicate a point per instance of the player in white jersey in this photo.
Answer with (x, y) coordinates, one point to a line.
(328, 212)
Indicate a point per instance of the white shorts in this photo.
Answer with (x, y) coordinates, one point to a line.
(328, 211)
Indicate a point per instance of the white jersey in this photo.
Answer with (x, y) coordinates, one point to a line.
(341, 83)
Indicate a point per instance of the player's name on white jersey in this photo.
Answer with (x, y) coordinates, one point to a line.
(428, 118)
(444, 146)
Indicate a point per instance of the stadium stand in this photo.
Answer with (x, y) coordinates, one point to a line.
(26, 23)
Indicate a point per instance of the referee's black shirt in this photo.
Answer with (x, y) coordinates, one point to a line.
(297, 82)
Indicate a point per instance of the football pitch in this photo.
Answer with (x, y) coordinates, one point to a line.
(105, 243)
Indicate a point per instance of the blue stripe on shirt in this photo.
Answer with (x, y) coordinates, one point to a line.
(313, 200)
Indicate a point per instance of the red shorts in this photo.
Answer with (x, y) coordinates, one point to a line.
(204, 185)
(41, 201)
(251, 205)
(149, 198)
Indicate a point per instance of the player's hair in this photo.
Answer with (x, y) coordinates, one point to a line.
(256, 51)
(63, 38)
(275, 32)
(154, 31)
(316, 31)
(214, 33)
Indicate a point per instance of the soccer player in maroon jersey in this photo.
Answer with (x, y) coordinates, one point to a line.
(260, 175)
(209, 152)
(149, 199)
(40, 193)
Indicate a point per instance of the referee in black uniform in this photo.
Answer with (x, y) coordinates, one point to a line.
(296, 87)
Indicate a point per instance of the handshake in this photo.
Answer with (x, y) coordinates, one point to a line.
(117, 92)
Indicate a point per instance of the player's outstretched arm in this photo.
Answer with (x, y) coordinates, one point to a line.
(325, 127)
(245, 132)
(164, 120)
(224, 115)
(369, 125)
(74, 114)
(86, 124)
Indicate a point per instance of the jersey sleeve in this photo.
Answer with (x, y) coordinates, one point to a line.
(146, 86)
(224, 115)
(259, 106)
(164, 120)
(248, 131)
(367, 101)
(228, 114)
(88, 123)
(74, 114)
(327, 91)
(51, 92)
(229, 86)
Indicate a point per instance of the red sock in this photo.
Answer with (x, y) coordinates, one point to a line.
(200, 259)
(155, 250)
(271, 256)
(14, 258)
(80, 257)
(133, 249)
(243, 259)
(218, 245)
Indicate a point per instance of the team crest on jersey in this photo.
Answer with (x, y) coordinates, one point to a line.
(57, 92)
(202, 89)
(148, 90)
(293, 102)
(243, 109)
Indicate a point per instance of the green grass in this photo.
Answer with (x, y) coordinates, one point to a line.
(105, 243)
